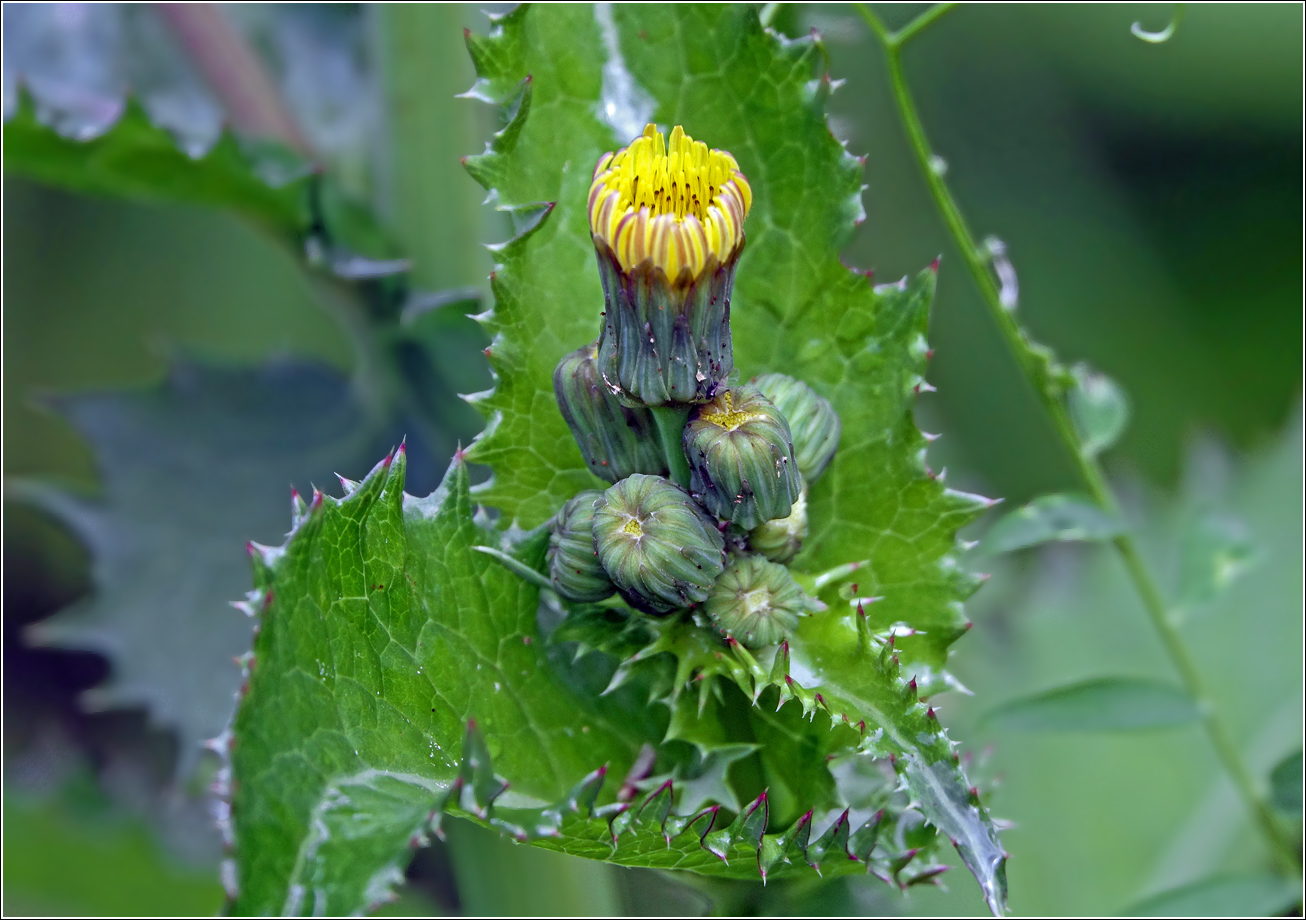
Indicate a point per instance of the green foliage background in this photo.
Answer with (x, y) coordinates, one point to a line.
(1148, 195)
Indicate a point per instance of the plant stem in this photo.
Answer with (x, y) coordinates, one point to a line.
(233, 71)
(254, 105)
(1089, 471)
(671, 429)
(433, 204)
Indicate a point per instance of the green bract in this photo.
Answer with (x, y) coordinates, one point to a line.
(757, 602)
(813, 423)
(658, 547)
(780, 539)
(741, 461)
(574, 566)
(615, 440)
(663, 342)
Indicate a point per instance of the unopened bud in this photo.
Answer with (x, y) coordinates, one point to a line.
(757, 603)
(656, 544)
(667, 220)
(741, 461)
(813, 423)
(614, 439)
(781, 539)
(574, 567)
(663, 342)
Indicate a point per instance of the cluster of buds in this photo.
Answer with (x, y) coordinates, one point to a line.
(709, 477)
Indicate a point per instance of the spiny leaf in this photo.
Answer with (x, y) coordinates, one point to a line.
(573, 82)
(135, 158)
(655, 829)
(796, 308)
(382, 633)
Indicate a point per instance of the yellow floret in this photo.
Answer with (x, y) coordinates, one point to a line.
(678, 203)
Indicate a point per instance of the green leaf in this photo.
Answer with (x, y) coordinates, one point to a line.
(653, 829)
(575, 82)
(383, 631)
(1103, 704)
(1217, 551)
(852, 701)
(1223, 896)
(795, 307)
(137, 159)
(1285, 785)
(191, 470)
(1063, 518)
(1099, 410)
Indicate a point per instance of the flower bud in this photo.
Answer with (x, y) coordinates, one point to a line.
(780, 540)
(741, 461)
(757, 603)
(656, 545)
(813, 423)
(574, 567)
(667, 221)
(615, 440)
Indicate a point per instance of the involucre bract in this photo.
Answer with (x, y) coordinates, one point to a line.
(574, 566)
(656, 544)
(780, 539)
(757, 602)
(813, 423)
(741, 460)
(615, 440)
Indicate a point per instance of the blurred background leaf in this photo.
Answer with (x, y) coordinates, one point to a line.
(1224, 896)
(119, 867)
(189, 472)
(1101, 704)
(1059, 518)
(1285, 785)
(1103, 820)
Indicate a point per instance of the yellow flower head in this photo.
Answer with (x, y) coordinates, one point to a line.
(676, 203)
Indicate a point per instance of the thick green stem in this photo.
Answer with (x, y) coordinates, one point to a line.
(671, 429)
(434, 205)
(1144, 583)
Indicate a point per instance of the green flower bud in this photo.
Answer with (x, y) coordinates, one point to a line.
(757, 603)
(812, 421)
(781, 539)
(615, 441)
(741, 461)
(659, 547)
(574, 567)
(667, 220)
(663, 341)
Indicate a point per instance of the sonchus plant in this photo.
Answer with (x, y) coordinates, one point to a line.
(720, 570)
